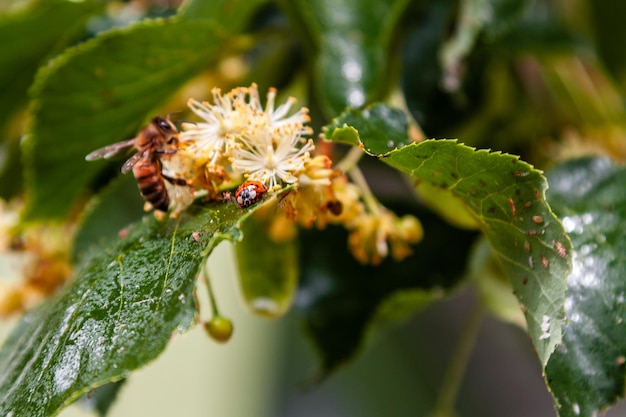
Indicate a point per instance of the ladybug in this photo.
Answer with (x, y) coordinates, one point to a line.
(249, 193)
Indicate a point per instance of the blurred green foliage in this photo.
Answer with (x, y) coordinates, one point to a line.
(542, 80)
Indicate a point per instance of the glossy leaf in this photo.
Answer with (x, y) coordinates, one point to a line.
(97, 94)
(609, 30)
(231, 16)
(446, 205)
(118, 314)
(475, 18)
(101, 92)
(107, 215)
(19, 60)
(423, 92)
(342, 300)
(587, 372)
(385, 126)
(28, 48)
(492, 285)
(352, 39)
(267, 268)
(494, 107)
(102, 398)
(11, 170)
(507, 197)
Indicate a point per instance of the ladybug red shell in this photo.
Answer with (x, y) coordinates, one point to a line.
(249, 193)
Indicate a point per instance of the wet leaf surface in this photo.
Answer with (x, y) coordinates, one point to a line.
(586, 373)
(107, 215)
(117, 314)
(102, 398)
(385, 127)
(351, 40)
(267, 268)
(507, 197)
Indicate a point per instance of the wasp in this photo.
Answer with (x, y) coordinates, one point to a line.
(159, 138)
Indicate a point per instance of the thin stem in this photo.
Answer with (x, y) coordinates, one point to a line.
(453, 377)
(397, 99)
(207, 281)
(370, 201)
(350, 160)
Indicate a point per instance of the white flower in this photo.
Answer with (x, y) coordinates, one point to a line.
(263, 143)
(277, 117)
(224, 121)
(272, 156)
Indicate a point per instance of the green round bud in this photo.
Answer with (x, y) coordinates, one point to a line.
(219, 328)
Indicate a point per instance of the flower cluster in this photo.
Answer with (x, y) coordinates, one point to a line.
(374, 231)
(34, 262)
(239, 139)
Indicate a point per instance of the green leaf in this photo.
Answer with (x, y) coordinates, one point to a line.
(540, 29)
(231, 15)
(352, 39)
(267, 269)
(431, 106)
(507, 197)
(587, 371)
(11, 170)
(101, 399)
(384, 125)
(97, 94)
(475, 17)
(492, 286)
(118, 314)
(107, 214)
(29, 48)
(342, 300)
(100, 92)
(446, 205)
(607, 27)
